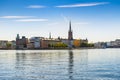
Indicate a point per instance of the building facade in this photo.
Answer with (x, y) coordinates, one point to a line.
(21, 43)
(3, 44)
(35, 41)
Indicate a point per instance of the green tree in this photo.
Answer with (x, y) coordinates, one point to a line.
(59, 45)
(8, 45)
(84, 45)
(87, 45)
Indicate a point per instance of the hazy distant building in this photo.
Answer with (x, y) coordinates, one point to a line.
(114, 44)
(100, 45)
(118, 42)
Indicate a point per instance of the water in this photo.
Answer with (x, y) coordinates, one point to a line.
(91, 64)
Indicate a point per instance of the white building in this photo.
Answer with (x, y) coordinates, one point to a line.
(65, 41)
(113, 43)
(36, 41)
(117, 42)
(108, 43)
(99, 45)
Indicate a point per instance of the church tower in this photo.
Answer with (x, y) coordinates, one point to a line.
(70, 33)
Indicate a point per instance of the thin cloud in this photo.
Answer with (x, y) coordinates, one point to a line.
(81, 23)
(32, 20)
(15, 17)
(83, 5)
(36, 6)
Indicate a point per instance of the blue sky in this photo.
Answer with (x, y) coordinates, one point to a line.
(97, 20)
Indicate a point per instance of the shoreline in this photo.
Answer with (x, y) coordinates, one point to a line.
(51, 49)
(61, 48)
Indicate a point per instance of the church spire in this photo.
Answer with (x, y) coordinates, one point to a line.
(70, 26)
(70, 35)
(50, 35)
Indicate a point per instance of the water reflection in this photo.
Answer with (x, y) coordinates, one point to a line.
(49, 65)
(60, 65)
(80, 64)
(71, 65)
(20, 56)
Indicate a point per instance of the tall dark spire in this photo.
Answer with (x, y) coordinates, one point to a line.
(70, 26)
(50, 35)
(70, 35)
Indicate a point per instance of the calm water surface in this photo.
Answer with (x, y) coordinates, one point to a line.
(91, 64)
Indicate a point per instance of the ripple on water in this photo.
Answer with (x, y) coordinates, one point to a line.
(88, 64)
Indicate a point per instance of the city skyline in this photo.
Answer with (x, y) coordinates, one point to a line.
(95, 20)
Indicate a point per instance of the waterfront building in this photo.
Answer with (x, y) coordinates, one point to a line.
(108, 44)
(35, 41)
(100, 45)
(114, 44)
(30, 46)
(65, 41)
(76, 43)
(3, 44)
(117, 42)
(21, 43)
(97, 45)
(44, 43)
(53, 43)
(84, 41)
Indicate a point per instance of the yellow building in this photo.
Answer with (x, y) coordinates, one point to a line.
(76, 43)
